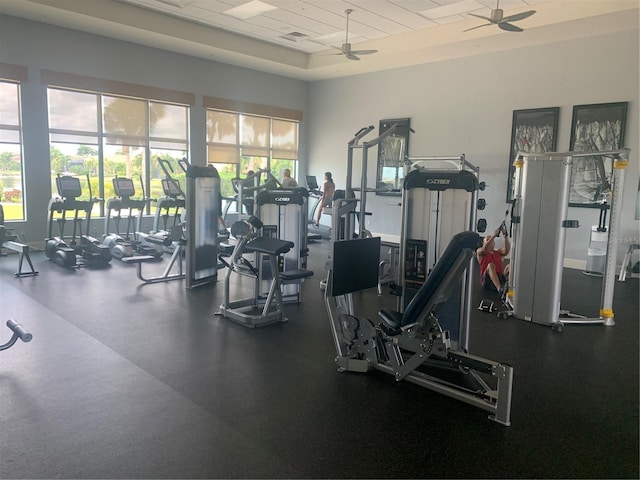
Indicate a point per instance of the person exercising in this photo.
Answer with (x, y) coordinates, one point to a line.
(328, 189)
(287, 180)
(493, 275)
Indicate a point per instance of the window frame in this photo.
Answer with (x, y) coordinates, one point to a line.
(146, 141)
(19, 75)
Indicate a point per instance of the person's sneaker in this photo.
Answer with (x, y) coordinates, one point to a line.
(501, 290)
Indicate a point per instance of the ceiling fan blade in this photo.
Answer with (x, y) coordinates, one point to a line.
(351, 56)
(509, 28)
(479, 26)
(481, 16)
(518, 16)
(363, 52)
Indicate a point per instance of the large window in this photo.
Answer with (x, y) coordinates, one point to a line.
(237, 143)
(101, 136)
(11, 178)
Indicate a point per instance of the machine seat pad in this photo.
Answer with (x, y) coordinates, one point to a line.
(460, 242)
(391, 319)
(295, 274)
(269, 246)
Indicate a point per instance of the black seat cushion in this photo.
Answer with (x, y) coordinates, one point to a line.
(391, 319)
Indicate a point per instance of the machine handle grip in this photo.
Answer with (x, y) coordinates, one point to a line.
(19, 330)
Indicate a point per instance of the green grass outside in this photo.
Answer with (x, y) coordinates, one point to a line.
(12, 211)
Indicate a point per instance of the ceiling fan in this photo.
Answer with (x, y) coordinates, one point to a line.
(497, 18)
(346, 46)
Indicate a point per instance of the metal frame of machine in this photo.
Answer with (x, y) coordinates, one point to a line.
(248, 311)
(283, 212)
(413, 345)
(540, 220)
(436, 205)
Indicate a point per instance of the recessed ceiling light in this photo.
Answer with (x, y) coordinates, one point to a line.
(249, 9)
(331, 38)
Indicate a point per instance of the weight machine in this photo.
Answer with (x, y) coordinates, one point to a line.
(248, 311)
(203, 190)
(436, 204)
(539, 221)
(283, 212)
(345, 210)
(197, 237)
(413, 345)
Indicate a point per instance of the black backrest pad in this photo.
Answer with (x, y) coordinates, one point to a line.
(355, 265)
(458, 243)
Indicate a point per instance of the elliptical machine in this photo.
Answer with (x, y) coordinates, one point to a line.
(119, 246)
(126, 246)
(173, 199)
(91, 251)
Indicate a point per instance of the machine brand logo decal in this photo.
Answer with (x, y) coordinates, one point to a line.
(282, 199)
(438, 181)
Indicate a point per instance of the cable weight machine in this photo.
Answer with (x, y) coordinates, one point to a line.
(539, 221)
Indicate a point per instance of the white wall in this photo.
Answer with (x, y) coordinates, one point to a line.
(458, 106)
(40, 46)
(466, 105)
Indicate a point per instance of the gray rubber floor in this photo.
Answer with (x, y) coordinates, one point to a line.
(123, 380)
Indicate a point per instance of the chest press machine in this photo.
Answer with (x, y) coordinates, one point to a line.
(412, 345)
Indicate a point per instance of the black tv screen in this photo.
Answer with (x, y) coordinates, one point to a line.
(355, 265)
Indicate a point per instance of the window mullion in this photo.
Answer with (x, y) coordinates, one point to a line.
(101, 156)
